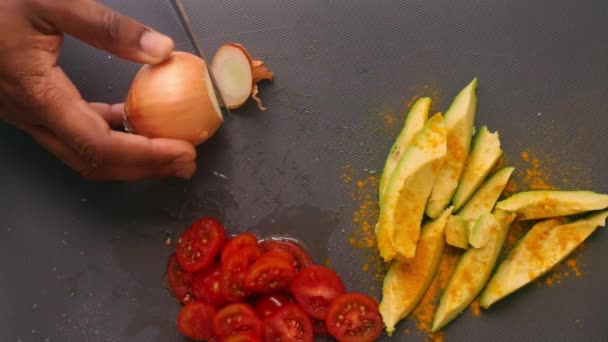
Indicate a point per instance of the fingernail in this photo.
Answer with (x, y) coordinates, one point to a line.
(184, 158)
(186, 171)
(156, 45)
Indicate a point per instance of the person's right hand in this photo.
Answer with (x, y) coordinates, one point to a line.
(37, 97)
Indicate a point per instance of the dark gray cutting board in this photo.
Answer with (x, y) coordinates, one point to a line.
(84, 261)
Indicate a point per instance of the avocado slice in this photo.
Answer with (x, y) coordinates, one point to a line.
(548, 243)
(459, 124)
(484, 155)
(408, 190)
(416, 118)
(538, 204)
(405, 283)
(484, 199)
(471, 273)
(482, 230)
(457, 232)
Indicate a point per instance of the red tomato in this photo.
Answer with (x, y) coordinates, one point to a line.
(235, 318)
(242, 336)
(269, 303)
(199, 244)
(290, 323)
(354, 317)
(318, 326)
(233, 271)
(180, 281)
(270, 272)
(237, 243)
(314, 288)
(194, 320)
(301, 258)
(206, 286)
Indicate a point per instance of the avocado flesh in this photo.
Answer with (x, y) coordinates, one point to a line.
(416, 118)
(548, 243)
(457, 232)
(485, 153)
(405, 283)
(471, 273)
(402, 208)
(539, 204)
(484, 199)
(459, 123)
(482, 230)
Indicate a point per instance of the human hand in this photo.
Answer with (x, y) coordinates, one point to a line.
(37, 97)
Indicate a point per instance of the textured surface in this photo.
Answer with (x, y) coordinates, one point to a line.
(84, 261)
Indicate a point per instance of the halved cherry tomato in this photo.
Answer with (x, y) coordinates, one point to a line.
(242, 336)
(180, 281)
(354, 317)
(271, 272)
(206, 286)
(195, 319)
(318, 326)
(269, 303)
(301, 258)
(234, 318)
(233, 270)
(314, 288)
(199, 244)
(290, 323)
(237, 243)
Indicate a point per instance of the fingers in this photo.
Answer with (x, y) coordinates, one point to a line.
(113, 114)
(106, 29)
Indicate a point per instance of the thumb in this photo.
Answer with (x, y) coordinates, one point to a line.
(106, 29)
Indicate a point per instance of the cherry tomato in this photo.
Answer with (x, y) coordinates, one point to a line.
(301, 258)
(269, 303)
(237, 243)
(318, 326)
(271, 272)
(233, 271)
(290, 323)
(180, 281)
(235, 318)
(199, 244)
(242, 336)
(206, 286)
(354, 317)
(314, 288)
(194, 320)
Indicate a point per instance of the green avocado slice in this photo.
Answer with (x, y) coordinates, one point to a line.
(548, 243)
(416, 118)
(485, 153)
(471, 273)
(457, 232)
(402, 209)
(405, 283)
(482, 230)
(484, 199)
(538, 204)
(459, 124)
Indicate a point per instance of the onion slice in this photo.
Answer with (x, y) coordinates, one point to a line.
(237, 75)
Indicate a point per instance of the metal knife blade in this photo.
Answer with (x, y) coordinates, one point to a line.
(197, 46)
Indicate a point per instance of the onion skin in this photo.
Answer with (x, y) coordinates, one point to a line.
(174, 99)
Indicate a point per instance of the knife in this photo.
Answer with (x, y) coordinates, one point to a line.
(197, 46)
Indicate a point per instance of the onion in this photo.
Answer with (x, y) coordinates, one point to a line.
(237, 75)
(174, 99)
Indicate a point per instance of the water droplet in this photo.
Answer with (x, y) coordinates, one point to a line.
(34, 306)
(84, 199)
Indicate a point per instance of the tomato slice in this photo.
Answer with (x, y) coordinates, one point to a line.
(271, 272)
(314, 288)
(180, 281)
(242, 336)
(290, 323)
(354, 317)
(199, 244)
(301, 258)
(206, 286)
(234, 318)
(233, 271)
(269, 303)
(194, 320)
(237, 243)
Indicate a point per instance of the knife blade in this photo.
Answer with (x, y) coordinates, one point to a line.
(199, 50)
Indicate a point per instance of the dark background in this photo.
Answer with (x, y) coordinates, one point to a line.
(84, 261)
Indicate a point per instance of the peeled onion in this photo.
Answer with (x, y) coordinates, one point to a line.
(174, 99)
